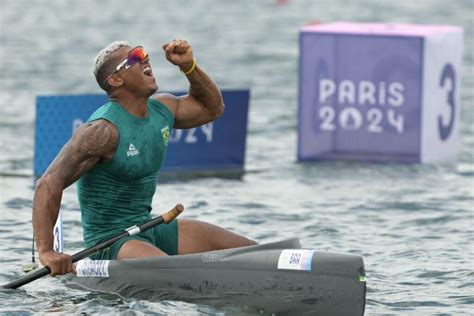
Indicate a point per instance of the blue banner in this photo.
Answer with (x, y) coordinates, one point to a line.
(215, 148)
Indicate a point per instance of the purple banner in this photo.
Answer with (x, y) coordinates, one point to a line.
(359, 97)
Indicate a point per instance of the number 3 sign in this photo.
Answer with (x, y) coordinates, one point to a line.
(448, 78)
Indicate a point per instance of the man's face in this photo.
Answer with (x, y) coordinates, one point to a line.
(139, 78)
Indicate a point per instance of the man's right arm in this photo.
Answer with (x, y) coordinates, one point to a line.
(91, 143)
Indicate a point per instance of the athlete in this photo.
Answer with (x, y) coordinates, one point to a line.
(117, 155)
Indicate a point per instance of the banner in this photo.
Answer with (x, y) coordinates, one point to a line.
(379, 92)
(216, 148)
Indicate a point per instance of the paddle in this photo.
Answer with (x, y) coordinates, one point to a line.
(36, 274)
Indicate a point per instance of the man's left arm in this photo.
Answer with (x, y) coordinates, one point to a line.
(204, 102)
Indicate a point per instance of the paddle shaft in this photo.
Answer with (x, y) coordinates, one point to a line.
(36, 274)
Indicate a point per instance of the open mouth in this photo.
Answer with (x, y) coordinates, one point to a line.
(147, 71)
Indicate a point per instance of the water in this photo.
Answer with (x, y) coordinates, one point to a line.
(411, 223)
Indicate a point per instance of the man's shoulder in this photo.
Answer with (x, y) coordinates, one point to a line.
(99, 134)
(167, 99)
(161, 102)
(97, 127)
(102, 112)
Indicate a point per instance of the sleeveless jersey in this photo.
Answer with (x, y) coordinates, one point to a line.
(117, 194)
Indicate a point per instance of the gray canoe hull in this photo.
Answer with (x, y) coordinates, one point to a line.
(257, 277)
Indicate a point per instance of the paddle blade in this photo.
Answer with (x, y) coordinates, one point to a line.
(27, 278)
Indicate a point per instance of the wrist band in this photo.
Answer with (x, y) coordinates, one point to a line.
(192, 67)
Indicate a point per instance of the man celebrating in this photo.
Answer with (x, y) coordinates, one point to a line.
(117, 156)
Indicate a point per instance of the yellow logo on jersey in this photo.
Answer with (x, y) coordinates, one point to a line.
(165, 131)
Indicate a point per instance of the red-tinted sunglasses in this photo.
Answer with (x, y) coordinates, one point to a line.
(135, 55)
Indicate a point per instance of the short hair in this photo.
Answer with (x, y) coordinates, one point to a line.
(104, 63)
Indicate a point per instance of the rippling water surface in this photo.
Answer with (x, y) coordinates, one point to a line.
(411, 223)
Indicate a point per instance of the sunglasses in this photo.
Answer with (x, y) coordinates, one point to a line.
(135, 55)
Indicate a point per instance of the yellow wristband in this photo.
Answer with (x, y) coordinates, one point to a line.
(192, 67)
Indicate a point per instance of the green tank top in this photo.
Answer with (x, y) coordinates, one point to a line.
(117, 194)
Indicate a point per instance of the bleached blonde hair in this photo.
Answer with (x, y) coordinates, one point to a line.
(104, 62)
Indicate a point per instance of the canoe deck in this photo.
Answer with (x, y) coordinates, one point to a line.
(278, 277)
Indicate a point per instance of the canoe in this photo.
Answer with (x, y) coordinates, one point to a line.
(278, 277)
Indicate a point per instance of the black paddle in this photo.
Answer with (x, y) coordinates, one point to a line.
(36, 274)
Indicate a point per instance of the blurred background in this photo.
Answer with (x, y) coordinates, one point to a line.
(411, 223)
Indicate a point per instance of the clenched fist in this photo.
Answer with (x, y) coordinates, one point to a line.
(180, 53)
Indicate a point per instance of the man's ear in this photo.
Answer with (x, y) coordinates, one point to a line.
(115, 81)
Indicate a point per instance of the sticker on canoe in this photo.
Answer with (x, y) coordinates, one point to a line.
(93, 268)
(296, 259)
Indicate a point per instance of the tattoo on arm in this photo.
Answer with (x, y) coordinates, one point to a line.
(203, 103)
(201, 91)
(90, 144)
(204, 90)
